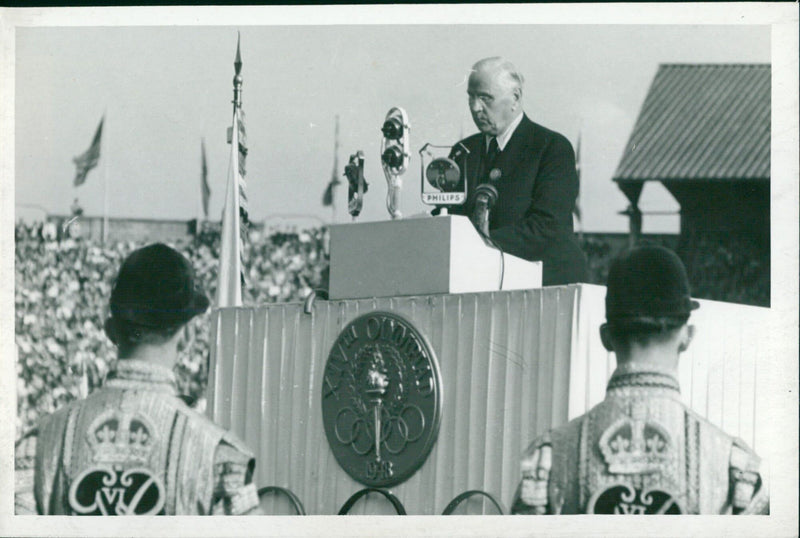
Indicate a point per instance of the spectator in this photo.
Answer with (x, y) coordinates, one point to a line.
(61, 294)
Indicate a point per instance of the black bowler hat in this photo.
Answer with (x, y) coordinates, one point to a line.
(156, 287)
(648, 282)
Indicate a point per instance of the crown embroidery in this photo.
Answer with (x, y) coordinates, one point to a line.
(633, 446)
(119, 437)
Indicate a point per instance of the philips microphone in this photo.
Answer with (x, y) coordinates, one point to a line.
(485, 198)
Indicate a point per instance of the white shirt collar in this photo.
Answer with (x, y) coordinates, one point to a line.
(505, 136)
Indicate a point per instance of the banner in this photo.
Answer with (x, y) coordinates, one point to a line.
(88, 159)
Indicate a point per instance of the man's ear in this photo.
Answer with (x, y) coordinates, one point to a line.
(687, 335)
(518, 95)
(605, 337)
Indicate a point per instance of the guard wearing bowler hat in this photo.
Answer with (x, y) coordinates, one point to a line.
(133, 446)
(641, 450)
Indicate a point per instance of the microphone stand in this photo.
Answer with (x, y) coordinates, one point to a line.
(485, 198)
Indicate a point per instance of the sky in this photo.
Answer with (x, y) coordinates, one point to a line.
(165, 89)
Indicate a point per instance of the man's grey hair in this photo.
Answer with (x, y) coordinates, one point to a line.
(505, 71)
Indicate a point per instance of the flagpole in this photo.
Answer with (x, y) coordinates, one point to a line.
(229, 288)
(105, 185)
(200, 198)
(579, 173)
(335, 171)
(229, 291)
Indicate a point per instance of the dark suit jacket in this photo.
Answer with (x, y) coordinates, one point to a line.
(532, 218)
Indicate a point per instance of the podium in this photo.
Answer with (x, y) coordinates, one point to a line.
(512, 364)
(421, 256)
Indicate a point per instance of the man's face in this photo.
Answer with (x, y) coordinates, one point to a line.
(493, 105)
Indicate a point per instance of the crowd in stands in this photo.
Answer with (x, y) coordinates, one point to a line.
(727, 266)
(62, 287)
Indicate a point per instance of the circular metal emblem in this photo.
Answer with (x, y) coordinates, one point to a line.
(381, 399)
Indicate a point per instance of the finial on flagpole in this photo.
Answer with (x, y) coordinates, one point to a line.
(237, 79)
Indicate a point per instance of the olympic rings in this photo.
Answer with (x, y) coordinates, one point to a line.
(355, 426)
(402, 428)
(349, 422)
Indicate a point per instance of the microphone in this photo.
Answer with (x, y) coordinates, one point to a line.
(394, 156)
(485, 198)
(354, 171)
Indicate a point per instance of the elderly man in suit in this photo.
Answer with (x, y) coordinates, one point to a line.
(533, 170)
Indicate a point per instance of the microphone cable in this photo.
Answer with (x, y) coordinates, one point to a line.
(494, 177)
(487, 238)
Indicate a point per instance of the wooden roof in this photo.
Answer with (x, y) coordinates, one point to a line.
(702, 122)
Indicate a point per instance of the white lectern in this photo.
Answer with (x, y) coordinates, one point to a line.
(419, 257)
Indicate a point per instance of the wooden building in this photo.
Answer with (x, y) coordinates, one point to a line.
(704, 133)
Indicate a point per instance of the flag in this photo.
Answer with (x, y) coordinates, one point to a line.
(235, 216)
(577, 210)
(327, 197)
(205, 190)
(88, 159)
(241, 144)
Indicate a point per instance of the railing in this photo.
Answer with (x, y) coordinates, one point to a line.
(395, 502)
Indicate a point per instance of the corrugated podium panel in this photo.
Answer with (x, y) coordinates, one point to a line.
(504, 359)
(723, 374)
(512, 365)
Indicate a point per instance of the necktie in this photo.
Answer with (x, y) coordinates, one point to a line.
(491, 156)
(480, 216)
(492, 153)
